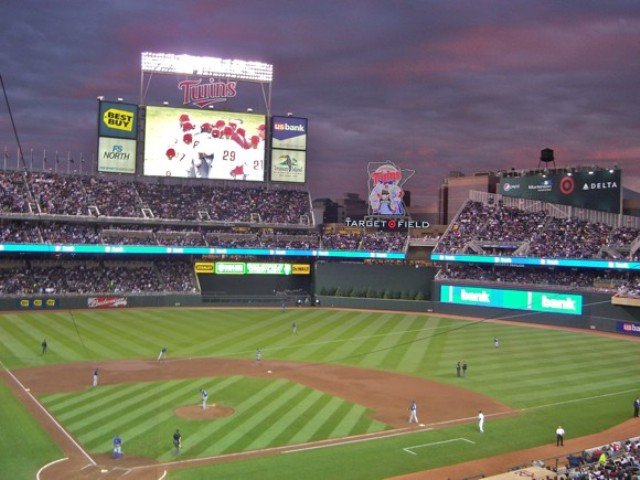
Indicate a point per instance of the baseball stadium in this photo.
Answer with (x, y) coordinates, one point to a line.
(183, 310)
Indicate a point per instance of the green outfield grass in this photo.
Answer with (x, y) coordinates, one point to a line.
(585, 382)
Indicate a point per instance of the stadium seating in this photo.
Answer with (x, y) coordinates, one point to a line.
(495, 229)
(55, 209)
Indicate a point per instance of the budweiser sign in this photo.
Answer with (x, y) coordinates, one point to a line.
(106, 302)
(203, 94)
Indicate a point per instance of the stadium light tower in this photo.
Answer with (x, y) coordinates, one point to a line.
(170, 64)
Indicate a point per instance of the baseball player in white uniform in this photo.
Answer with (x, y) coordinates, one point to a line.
(413, 412)
(205, 395)
(481, 421)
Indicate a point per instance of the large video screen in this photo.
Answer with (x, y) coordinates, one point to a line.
(190, 143)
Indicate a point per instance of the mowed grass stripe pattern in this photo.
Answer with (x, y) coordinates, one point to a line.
(524, 371)
(530, 369)
(266, 413)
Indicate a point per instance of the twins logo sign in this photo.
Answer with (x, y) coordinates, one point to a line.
(385, 188)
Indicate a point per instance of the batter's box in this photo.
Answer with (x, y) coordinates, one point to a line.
(432, 444)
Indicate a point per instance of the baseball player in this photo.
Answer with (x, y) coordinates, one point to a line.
(258, 355)
(413, 412)
(117, 447)
(95, 377)
(559, 436)
(177, 442)
(204, 395)
(163, 353)
(44, 346)
(481, 421)
(294, 328)
(496, 342)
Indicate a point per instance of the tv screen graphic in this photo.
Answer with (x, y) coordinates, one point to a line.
(288, 166)
(117, 120)
(205, 144)
(289, 133)
(116, 155)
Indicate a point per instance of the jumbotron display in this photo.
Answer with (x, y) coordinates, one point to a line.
(206, 144)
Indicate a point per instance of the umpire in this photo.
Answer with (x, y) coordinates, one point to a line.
(177, 442)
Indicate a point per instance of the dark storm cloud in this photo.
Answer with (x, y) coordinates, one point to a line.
(433, 86)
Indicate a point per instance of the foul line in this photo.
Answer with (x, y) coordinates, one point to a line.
(41, 407)
(461, 439)
(284, 449)
(364, 438)
(575, 400)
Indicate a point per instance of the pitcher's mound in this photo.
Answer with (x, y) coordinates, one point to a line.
(195, 412)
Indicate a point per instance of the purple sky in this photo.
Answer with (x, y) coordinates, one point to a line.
(433, 86)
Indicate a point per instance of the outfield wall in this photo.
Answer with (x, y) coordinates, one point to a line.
(377, 277)
(375, 304)
(74, 302)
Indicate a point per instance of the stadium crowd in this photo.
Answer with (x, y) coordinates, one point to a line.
(532, 234)
(56, 194)
(52, 208)
(610, 281)
(95, 276)
(617, 460)
(51, 232)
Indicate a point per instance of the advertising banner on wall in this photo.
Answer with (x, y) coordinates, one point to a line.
(106, 302)
(116, 155)
(598, 190)
(628, 328)
(117, 120)
(550, 302)
(257, 268)
(288, 166)
(211, 144)
(204, 267)
(37, 303)
(289, 133)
